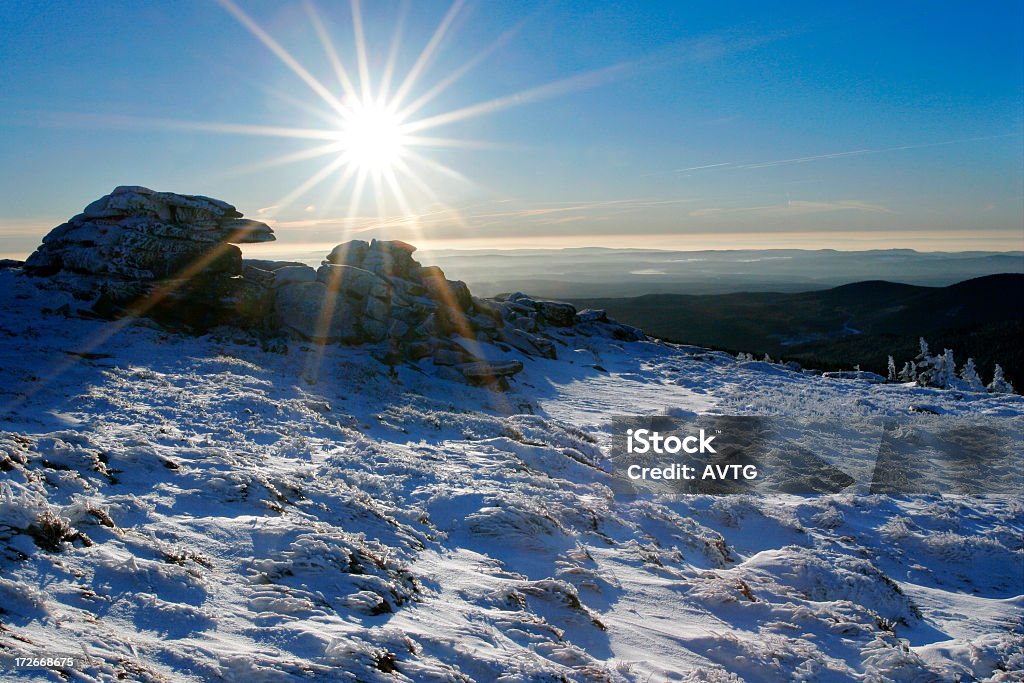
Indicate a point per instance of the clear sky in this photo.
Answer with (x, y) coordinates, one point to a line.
(655, 124)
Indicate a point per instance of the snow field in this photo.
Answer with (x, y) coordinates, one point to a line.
(212, 515)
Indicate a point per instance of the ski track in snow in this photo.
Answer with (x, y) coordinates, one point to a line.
(229, 519)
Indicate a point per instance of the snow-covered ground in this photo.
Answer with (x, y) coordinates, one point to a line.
(247, 514)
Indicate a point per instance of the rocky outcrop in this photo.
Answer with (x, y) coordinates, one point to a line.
(170, 256)
(377, 292)
(159, 253)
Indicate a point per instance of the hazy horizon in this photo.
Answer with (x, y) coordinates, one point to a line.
(279, 249)
(584, 272)
(288, 251)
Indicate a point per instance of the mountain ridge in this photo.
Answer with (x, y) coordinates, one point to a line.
(856, 323)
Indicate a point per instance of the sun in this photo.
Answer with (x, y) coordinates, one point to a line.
(371, 137)
(381, 125)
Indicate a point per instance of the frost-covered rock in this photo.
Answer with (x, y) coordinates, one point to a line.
(371, 292)
(313, 312)
(593, 315)
(487, 370)
(145, 252)
(136, 229)
(293, 274)
(171, 257)
(861, 375)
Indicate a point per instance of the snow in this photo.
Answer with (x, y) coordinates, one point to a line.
(230, 519)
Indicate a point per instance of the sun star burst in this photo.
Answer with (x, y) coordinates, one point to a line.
(380, 135)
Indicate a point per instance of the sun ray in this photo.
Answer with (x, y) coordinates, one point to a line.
(361, 58)
(122, 121)
(285, 159)
(134, 309)
(248, 129)
(339, 184)
(560, 87)
(396, 190)
(438, 166)
(457, 74)
(332, 54)
(396, 42)
(428, 52)
(428, 141)
(378, 194)
(309, 183)
(423, 187)
(283, 55)
(328, 116)
(327, 305)
(357, 194)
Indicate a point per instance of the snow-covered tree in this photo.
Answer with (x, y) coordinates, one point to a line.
(924, 354)
(923, 362)
(937, 371)
(928, 367)
(909, 372)
(949, 378)
(999, 383)
(969, 375)
(891, 376)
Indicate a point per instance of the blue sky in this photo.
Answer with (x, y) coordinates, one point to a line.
(677, 125)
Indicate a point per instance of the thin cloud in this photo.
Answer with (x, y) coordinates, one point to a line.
(27, 228)
(712, 47)
(480, 215)
(794, 208)
(561, 221)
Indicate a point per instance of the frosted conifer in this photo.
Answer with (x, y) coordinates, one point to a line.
(969, 375)
(909, 372)
(999, 383)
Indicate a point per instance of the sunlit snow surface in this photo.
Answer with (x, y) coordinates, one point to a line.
(244, 524)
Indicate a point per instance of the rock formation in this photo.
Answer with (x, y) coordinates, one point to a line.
(140, 252)
(152, 252)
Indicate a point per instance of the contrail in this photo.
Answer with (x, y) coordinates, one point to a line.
(700, 168)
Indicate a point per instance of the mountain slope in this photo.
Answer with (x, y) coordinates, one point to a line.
(227, 520)
(860, 323)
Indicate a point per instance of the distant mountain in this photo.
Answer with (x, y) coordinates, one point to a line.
(859, 323)
(596, 272)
